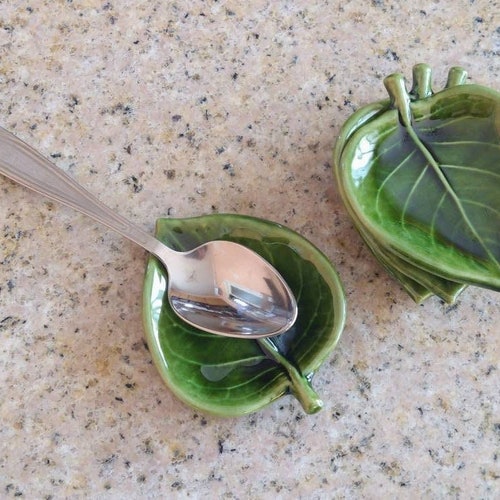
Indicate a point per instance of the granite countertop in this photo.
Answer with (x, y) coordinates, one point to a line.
(188, 108)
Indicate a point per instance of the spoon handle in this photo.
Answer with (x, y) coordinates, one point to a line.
(21, 163)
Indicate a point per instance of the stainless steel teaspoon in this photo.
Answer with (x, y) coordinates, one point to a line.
(220, 287)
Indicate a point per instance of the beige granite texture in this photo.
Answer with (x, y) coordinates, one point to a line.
(183, 108)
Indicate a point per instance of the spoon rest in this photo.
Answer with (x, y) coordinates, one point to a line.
(419, 174)
(229, 376)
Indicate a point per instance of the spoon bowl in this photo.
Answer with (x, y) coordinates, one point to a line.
(220, 287)
(225, 288)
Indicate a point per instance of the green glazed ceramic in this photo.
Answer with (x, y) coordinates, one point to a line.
(229, 376)
(420, 175)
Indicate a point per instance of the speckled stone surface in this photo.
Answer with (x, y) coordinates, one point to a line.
(192, 107)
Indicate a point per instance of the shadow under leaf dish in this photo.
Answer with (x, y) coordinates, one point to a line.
(419, 173)
(230, 376)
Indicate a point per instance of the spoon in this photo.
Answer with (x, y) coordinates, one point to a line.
(220, 287)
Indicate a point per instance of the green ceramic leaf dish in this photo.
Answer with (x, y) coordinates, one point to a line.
(420, 176)
(228, 376)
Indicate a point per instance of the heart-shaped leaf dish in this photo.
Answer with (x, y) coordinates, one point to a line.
(228, 376)
(419, 174)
